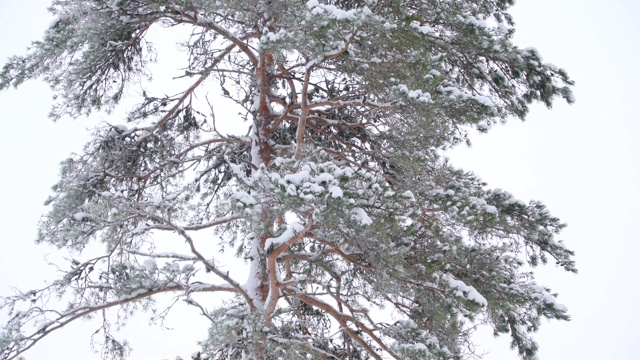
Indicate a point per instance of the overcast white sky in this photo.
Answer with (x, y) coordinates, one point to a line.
(580, 160)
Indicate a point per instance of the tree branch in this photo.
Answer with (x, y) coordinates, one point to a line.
(341, 319)
(74, 314)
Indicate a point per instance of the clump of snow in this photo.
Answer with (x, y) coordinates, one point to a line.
(335, 192)
(418, 95)
(82, 216)
(292, 190)
(409, 194)
(244, 198)
(484, 100)
(335, 12)
(273, 37)
(361, 216)
(472, 20)
(292, 230)
(298, 178)
(323, 177)
(465, 291)
(491, 209)
(512, 200)
(139, 229)
(551, 300)
(389, 26)
(419, 346)
(533, 51)
(425, 29)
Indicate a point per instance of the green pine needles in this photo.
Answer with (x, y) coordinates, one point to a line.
(338, 200)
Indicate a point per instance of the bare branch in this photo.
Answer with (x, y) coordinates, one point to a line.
(77, 313)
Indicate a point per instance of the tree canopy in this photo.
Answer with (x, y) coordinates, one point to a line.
(360, 239)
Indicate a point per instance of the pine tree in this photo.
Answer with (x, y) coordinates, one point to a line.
(338, 199)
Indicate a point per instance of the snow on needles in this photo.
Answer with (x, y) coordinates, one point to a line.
(335, 12)
(463, 290)
(361, 216)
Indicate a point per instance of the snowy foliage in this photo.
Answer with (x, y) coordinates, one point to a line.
(338, 198)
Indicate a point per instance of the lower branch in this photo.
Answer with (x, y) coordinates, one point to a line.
(71, 315)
